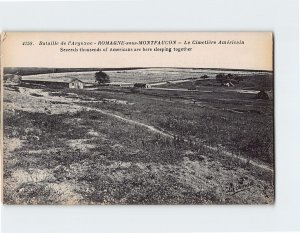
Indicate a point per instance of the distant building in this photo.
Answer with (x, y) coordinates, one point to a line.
(142, 85)
(121, 84)
(59, 82)
(227, 83)
(12, 78)
(126, 85)
(77, 84)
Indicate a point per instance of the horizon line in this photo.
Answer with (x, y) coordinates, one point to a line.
(142, 67)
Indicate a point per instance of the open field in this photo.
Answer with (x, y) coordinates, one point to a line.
(150, 75)
(113, 145)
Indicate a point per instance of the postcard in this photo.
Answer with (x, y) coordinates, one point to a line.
(137, 118)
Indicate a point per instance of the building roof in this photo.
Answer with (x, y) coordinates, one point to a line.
(52, 79)
(140, 84)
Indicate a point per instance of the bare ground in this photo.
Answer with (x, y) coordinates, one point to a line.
(114, 176)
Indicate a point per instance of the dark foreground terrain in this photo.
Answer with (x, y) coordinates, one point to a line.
(204, 145)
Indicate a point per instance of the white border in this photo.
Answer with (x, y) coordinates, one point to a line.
(279, 16)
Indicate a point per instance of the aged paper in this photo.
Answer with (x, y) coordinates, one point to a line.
(137, 118)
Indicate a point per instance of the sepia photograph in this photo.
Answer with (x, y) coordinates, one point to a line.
(138, 118)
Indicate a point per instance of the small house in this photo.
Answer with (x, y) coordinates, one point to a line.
(76, 83)
(142, 85)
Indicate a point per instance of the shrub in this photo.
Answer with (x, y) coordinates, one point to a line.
(102, 77)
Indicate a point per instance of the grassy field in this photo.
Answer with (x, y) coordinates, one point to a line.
(222, 122)
(260, 81)
(149, 75)
(126, 146)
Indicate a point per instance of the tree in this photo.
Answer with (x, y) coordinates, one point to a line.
(223, 78)
(102, 77)
(220, 78)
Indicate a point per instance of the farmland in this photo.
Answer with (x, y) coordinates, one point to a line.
(151, 75)
(180, 143)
